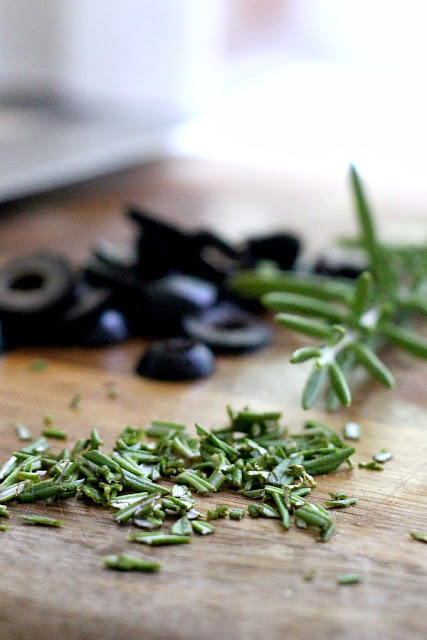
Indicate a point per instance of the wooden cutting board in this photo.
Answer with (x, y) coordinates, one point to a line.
(247, 580)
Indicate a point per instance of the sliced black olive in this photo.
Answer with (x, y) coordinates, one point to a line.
(168, 299)
(109, 327)
(341, 263)
(176, 359)
(163, 248)
(82, 314)
(282, 248)
(227, 328)
(34, 292)
(35, 284)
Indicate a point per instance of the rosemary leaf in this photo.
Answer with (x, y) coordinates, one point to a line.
(349, 578)
(42, 520)
(129, 562)
(416, 535)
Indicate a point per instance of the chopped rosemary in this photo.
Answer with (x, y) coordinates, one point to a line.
(236, 514)
(22, 431)
(58, 434)
(416, 535)
(42, 520)
(48, 419)
(341, 502)
(254, 456)
(4, 513)
(383, 456)
(202, 528)
(373, 465)
(220, 511)
(75, 401)
(349, 578)
(4, 527)
(310, 575)
(128, 562)
(352, 431)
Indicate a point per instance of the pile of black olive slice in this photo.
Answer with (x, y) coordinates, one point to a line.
(169, 287)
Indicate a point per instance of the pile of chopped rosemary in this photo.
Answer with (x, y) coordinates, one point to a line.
(254, 456)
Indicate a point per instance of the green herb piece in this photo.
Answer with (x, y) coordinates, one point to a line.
(8, 467)
(159, 539)
(220, 511)
(75, 401)
(22, 431)
(48, 419)
(4, 527)
(328, 462)
(12, 491)
(200, 484)
(128, 562)
(312, 515)
(4, 513)
(416, 535)
(202, 528)
(54, 433)
(38, 365)
(38, 446)
(349, 578)
(373, 465)
(383, 456)
(352, 319)
(236, 514)
(42, 520)
(352, 431)
(340, 502)
(310, 575)
(182, 527)
(284, 513)
(327, 533)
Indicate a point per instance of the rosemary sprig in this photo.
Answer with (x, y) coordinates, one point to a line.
(351, 319)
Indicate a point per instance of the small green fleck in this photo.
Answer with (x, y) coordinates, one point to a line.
(75, 401)
(310, 575)
(42, 520)
(54, 433)
(416, 535)
(373, 465)
(4, 513)
(22, 431)
(38, 365)
(202, 528)
(128, 562)
(4, 527)
(48, 419)
(349, 578)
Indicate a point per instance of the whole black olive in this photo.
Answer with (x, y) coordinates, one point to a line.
(228, 328)
(176, 359)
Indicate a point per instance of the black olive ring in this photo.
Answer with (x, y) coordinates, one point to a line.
(176, 359)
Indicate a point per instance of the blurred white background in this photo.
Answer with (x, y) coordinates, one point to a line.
(88, 86)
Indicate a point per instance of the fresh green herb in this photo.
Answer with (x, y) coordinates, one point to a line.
(128, 562)
(48, 419)
(349, 578)
(416, 535)
(58, 434)
(373, 465)
(236, 514)
(182, 527)
(4, 527)
(38, 365)
(202, 528)
(351, 319)
(220, 511)
(4, 513)
(159, 539)
(22, 431)
(75, 401)
(42, 520)
(352, 431)
(383, 456)
(338, 503)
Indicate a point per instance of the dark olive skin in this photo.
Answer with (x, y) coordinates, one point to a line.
(176, 359)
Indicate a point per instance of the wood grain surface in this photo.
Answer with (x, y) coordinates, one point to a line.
(247, 580)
